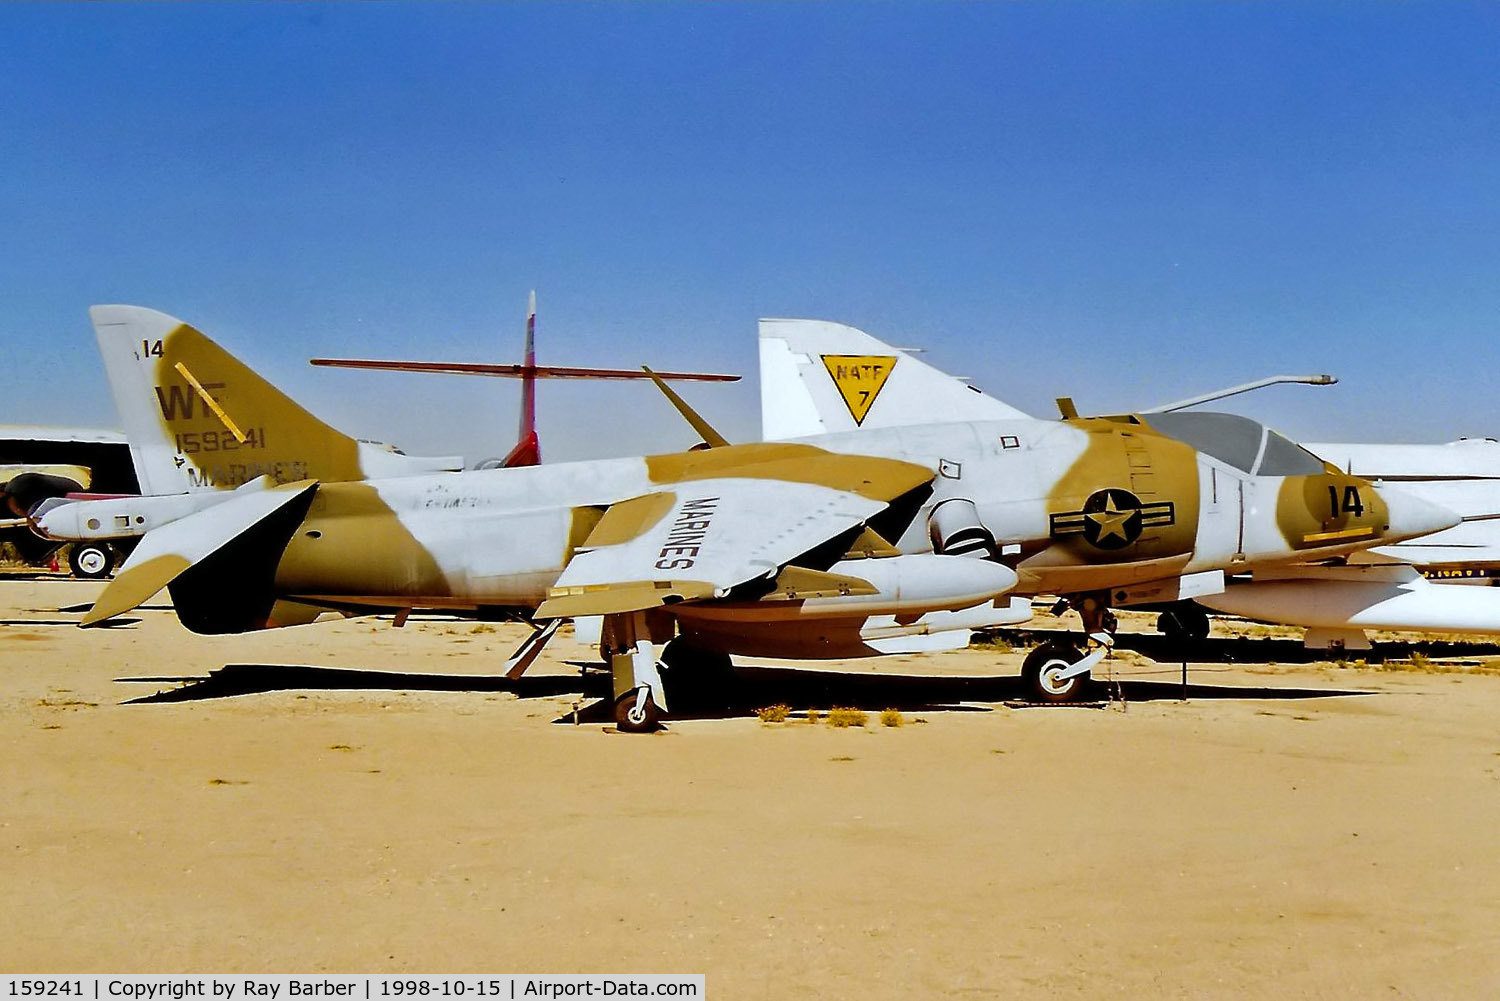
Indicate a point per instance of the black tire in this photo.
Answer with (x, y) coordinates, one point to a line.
(91, 561)
(1185, 622)
(630, 721)
(1046, 660)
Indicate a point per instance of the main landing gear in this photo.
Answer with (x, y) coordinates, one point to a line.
(1058, 671)
(636, 711)
(644, 661)
(630, 642)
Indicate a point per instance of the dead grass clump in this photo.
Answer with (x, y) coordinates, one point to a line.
(994, 641)
(773, 714)
(1420, 663)
(847, 717)
(483, 627)
(892, 717)
(813, 716)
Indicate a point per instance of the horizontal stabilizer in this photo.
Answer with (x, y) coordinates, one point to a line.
(168, 551)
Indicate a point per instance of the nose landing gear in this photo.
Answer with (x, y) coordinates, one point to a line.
(1059, 671)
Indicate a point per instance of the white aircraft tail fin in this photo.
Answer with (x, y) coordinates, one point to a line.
(198, 418)
(818, 377)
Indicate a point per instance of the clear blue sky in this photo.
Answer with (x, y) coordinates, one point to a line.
(1124, 203)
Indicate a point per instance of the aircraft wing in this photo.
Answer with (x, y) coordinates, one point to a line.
(702, 537)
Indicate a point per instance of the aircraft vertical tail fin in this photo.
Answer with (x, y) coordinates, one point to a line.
(198, 418)
(528, 450)
(818, 377)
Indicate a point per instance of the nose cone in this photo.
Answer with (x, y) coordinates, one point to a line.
(1411, 516)
(55, 518)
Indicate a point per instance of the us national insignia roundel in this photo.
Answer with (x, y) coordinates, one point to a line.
(1112, 519)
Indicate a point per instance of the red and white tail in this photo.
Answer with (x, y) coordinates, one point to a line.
(527, 450)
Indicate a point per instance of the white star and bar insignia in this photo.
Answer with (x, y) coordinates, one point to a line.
(1113, 519)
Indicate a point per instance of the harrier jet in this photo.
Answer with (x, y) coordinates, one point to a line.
(846, 542)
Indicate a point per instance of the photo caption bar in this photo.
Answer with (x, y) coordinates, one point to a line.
(358, 987)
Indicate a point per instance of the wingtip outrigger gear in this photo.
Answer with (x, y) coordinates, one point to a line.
(530, 649)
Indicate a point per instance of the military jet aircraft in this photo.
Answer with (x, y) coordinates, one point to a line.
(818, 377)
(1411, 584)
(845, 543)
(176, 417)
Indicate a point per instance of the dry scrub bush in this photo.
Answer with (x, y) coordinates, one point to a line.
(773, 714)
(847, 717)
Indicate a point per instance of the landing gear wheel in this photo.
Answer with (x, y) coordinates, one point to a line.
(1042, 667)
(636, 712)
(91, 561)
(1184, 622)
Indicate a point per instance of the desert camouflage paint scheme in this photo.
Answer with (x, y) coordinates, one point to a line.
(867, 540)
(1131, 505)
(198, 418)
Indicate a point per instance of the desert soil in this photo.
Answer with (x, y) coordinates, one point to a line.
(360, 798)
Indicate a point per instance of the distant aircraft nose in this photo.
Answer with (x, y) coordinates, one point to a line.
(1411, 516)
(56, 519)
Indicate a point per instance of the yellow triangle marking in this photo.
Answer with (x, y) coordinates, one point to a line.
(859, 379)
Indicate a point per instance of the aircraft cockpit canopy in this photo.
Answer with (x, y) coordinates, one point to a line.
(1247, 445)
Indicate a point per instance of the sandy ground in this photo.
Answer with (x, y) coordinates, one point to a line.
(1300, 830)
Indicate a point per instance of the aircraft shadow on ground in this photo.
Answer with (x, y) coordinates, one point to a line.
(796, 689)
(256, 679)
(750, 689)
(110, 624)
(1285, 650)
(88, 606)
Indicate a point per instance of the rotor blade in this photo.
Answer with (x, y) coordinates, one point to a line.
(516, 371)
